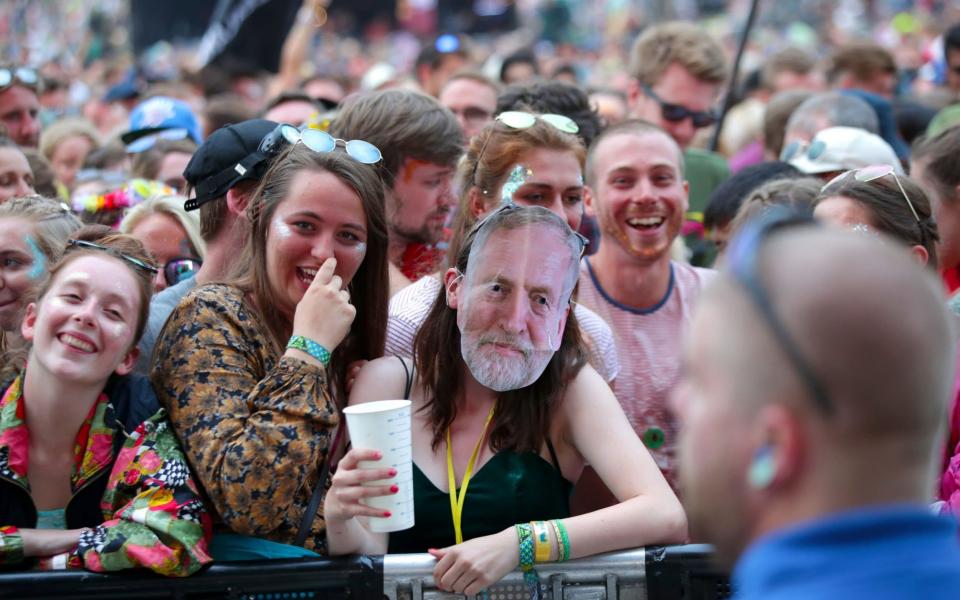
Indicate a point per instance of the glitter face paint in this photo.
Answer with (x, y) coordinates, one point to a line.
(39, 266)
(517, 177)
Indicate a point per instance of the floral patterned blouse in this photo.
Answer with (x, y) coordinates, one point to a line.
(153, 516)
(255, 426)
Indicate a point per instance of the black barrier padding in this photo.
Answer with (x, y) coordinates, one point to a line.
(686, 572)
(357, 578)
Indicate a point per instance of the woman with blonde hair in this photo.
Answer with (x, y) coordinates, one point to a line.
(66, 144)
(170, 234)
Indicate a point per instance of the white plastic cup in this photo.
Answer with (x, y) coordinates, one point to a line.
(385, 426)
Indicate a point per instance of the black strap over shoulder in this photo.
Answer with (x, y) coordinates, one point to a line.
(409, 384)
(306, 523)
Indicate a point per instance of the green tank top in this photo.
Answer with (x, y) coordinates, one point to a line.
(510, 488)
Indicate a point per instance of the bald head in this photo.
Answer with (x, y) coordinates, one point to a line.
(872, 327)
(871, 324)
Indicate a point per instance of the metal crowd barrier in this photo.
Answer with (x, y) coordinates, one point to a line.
(654, 573)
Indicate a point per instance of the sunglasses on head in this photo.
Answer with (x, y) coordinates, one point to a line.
(675, 113)
(136, 262)
(22, 75)
(180, 268)
(519, 120)
(743, 263)
(871, 173)
(813, 150)
(318, 141)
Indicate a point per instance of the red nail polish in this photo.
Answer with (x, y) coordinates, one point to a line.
(393, 472)
(386, 513)
(394, 489)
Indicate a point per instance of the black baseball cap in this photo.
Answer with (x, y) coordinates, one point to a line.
(228, 156)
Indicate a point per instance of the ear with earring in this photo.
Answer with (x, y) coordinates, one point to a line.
(763, 468)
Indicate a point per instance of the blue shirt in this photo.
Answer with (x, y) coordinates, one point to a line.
(883, 553)
(161, 305)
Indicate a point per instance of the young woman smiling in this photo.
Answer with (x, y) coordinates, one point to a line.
(252, 370)
(90, 472)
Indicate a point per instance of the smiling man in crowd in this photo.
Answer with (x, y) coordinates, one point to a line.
(635, 170)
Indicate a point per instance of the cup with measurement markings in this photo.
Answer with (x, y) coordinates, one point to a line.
(385, 426)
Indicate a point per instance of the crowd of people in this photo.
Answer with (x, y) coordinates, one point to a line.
(614, 335)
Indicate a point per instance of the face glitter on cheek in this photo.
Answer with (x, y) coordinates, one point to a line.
(282, 229)
(518, 176)
(39, 259)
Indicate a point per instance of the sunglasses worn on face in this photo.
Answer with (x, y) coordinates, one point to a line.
(743, 262)
(814, 150)
(180, 268)
(318, 141)
(675, 113)
(136, 262)
(871, 173)
(23, 75)
(518, 120)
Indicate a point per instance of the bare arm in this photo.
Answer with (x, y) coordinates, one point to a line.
(295, 48)
(649, 512)
(379, 379)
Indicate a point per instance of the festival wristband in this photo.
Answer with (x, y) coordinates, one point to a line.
(530, 576)
(541, 541)
(563, 550)
(563, 540)
(298, 342)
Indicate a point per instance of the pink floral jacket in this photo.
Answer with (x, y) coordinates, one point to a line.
(135, 496)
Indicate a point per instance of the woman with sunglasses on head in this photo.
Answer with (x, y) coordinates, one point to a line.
(252, 370)
(505, 415)
(532, 160)
(33, 232)
(875, 200)
(91, 474)
(170, 234)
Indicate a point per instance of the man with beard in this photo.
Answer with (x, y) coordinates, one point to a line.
(20, 104)
(503, 400)
(635, 170)
(813, 411)
(421, 142)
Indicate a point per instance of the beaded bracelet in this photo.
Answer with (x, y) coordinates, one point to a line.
(298, 342)
(525, 536)
(541, 541)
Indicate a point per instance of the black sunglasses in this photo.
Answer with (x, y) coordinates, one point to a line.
(743, 260)
(136, 262)
(677, 112)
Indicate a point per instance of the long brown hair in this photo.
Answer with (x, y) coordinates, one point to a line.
(501, 148)
(522, 420)
(368, 289)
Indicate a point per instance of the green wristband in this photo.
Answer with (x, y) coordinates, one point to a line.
(563, 540)
(298, 342)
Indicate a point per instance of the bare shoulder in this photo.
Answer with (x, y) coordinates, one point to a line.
(588, 398)
(381, 379)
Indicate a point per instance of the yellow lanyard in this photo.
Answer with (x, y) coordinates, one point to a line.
(456, 503)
